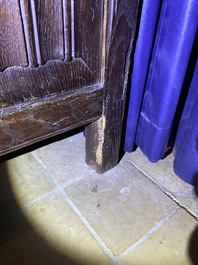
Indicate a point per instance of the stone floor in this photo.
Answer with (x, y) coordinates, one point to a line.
(54, 209)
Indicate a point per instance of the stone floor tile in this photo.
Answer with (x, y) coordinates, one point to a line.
(65, 159)
(163, 174)
(27, 181)
(190, 203)
(56, 223)
(162, 171)
(172, 244)
(121, 205)
(47, 234)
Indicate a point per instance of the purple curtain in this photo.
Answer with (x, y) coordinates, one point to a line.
(164, 89)
(186, 144)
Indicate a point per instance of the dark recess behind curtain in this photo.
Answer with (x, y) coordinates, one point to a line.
(163, 102)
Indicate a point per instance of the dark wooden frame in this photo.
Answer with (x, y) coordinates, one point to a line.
(82, 82)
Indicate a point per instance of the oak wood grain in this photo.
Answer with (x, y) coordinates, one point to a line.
(12, 43)
(89, 33)
(103, 137)
(64, 64)
(25, 124)
(50, 29)
(19, 85)
(68, 17)
(28, 30)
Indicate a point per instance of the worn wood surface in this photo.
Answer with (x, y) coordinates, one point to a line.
(50, 56)
(63, 64)
(68, 19)
(26, 124)
(20, 85)
(50, 29)
(12, 43)
(28, 32)
(35, 31)
(89, 26)
(104, 136)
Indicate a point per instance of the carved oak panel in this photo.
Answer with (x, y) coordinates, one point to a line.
(63, 64)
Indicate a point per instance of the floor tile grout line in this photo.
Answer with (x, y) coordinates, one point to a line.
(40, 199)
(31, 204)
(153, 230)
(43, 167)
(74, 208)
(167, 192)
(87, 225)
(183, 194)
(72, 182)
(45, 170)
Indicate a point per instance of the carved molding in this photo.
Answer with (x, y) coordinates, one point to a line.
(49, 47)
(35, 31)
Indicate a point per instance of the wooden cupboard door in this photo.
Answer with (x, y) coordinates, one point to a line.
(64, 64)
(50, 67)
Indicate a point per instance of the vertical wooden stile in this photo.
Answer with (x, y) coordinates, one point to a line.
(35, 29)
(28, 32)
(67, 29)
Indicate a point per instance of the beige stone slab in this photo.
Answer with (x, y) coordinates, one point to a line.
(55, 223)
(65, 159)
(191, 203)
(172, 244)
(162, 172)
(121, 205)
(48, 234)
(27, 180)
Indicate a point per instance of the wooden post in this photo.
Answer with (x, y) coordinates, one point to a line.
(103, 137)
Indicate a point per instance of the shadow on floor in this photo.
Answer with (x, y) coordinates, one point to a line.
(19, 242)
(193, 242)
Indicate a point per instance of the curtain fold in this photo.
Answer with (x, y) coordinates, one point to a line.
(165, 40)
(143, 51)
(186, 144)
